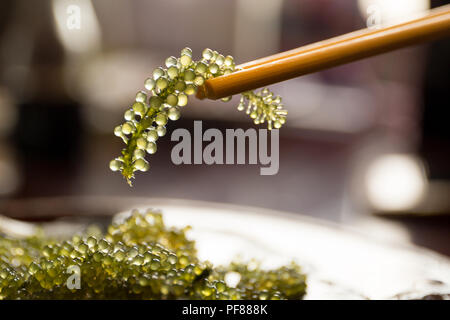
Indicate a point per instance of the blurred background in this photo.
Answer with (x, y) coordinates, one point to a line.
(366, 145)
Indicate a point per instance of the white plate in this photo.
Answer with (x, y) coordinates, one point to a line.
(340, 263)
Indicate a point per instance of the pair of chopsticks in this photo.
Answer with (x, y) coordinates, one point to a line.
(328, 53)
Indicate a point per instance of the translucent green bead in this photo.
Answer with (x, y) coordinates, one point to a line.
(172, 99)
(171, 61)
(226, 99)
(76, 239)
(141, 165)
(161, 119)
(229, 61)
(118, 131)
(33, 268)
(207, 54)
(190, 89)
(65, 252)
(141, 96)
(199, 80)
(98, 256)
(147, 257)
(172, 259)
(47, 252)
(174, 113)
(189, 75)
(152, 136)
(182, 100)
(149, 84)
(3, 274)
(107, 260)
(129, 115)
(133, 252)
(155, 264)
(208, 291)
(52, 273)
(138, 260)
(183, 260)
(143, 282)
(277, 124)
(185, 60)
(128, 128)
(220, 60)
(74, 254)
(139, 154)
(220, 286)
(180, 86)
(91, 241)
(275, 297)
(83, 248)
(186, 51)
(115, 165)
(141, 143)
(155, 102)
(162, 83)
(151, 148)
(39, 275)
(201, 68)
(172, 72)
(139, 108)
(213, 68)
(119, 255)
(161, 130)
(158, 73)
(103, 245)
(215, 55)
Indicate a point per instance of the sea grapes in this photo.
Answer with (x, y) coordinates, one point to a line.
(139, 258)
(167, 90)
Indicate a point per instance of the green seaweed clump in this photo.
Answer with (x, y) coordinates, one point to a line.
(139, 258)
(166, 93)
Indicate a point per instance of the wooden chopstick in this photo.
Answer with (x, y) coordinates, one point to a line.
(328, 53)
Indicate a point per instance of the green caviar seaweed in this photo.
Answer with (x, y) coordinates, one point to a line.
(139, 258)
(166, 91)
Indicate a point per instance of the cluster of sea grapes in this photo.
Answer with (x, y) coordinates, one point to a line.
(139, 258)
(166, 92)
(263, 106)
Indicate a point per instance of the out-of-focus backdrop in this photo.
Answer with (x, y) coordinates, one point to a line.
(365, 145)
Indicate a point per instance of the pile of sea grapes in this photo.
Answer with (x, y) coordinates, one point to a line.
(139, 258)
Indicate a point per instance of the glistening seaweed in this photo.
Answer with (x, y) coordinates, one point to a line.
(139, 258)
(167, 91)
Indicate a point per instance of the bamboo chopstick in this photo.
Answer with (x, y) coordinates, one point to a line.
(328, 53)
